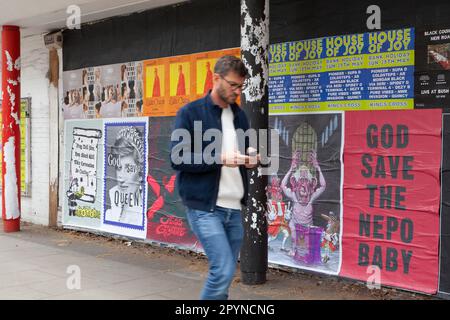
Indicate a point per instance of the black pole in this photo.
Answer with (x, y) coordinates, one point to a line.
(255, 100)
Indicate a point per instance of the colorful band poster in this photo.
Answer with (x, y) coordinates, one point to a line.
(433, 68)
(125, 169)
(304, 197)
(170, 83)
(367, 71)
(392, 197)
(83, 173)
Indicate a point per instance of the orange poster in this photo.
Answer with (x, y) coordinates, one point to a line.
(172, 82)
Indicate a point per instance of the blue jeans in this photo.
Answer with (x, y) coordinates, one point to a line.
(220, 232)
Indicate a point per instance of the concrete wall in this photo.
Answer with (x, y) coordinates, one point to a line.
(34, 57)
(34, 84)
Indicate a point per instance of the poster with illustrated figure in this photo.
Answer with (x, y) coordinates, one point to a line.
(304, 197)
(83, 173)
(125, 171)
(166, 214)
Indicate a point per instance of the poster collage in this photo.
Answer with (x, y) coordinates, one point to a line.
(118, 121)
(324, 214)
(104, 92)
(116, 182)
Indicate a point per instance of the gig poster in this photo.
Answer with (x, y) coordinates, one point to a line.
(433, 68)
(367, 71)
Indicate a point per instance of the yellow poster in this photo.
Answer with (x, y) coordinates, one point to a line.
(205, 71)
(170, 83)
(180, 79)
(154, 85)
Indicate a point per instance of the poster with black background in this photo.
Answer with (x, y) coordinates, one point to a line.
(432, 76)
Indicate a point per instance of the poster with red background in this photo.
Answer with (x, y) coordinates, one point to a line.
(391, 198)
(166, 215)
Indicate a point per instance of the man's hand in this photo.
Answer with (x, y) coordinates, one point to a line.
(254, 158)
(234, 159)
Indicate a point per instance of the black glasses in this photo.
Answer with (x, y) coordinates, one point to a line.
(236, 86)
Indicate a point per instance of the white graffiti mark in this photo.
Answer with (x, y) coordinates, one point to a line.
(12, 97)
(15, 117)
(260, 171)
(12, 100)
(9, 61)
(255, 34)
(255, 216)
(14, 83)
(254, 224)
(17, 64)
(254, 219)
(11, 190)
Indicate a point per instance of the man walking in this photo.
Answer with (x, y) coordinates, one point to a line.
(215, 192)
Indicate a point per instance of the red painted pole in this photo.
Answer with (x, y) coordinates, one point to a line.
(11, 128)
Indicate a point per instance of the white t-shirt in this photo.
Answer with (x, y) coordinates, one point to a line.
(231, 187)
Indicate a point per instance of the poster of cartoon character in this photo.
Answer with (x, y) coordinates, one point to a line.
(304, 197)
(83, 173)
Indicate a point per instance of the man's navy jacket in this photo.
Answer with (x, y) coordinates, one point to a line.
(198, 184)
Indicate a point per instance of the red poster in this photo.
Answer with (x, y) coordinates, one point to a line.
(391, 198)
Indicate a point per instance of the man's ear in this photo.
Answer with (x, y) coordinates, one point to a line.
(216, 77)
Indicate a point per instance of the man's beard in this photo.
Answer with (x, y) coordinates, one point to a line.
(228, 99)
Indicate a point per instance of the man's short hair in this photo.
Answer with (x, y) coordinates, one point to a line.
(226, 64)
